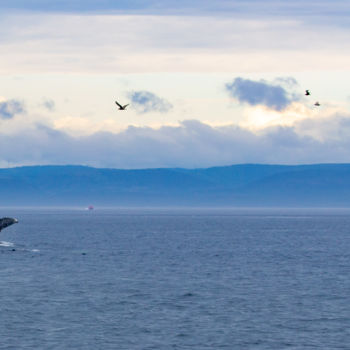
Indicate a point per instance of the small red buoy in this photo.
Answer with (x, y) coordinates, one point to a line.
(91, 207)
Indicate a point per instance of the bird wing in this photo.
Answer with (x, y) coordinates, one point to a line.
(118, 104)
(126, 105)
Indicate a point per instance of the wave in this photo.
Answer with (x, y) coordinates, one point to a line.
(6, 244)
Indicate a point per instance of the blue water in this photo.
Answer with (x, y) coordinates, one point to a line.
(175, 279)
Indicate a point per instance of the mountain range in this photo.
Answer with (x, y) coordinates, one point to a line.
(246, 185)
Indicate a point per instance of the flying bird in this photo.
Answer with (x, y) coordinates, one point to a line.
(5, 222)
(307, 93)
(317, 104)
(121, 108)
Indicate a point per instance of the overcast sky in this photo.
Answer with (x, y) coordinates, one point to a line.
(208, 83)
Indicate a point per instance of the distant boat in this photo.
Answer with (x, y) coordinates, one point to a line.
(91, 207)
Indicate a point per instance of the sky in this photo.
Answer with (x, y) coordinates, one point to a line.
(207, 83)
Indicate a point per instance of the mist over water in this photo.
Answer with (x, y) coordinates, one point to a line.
(175, 279)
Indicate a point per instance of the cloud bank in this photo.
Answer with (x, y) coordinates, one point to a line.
(145, 102)
(260, 92)
(191, 144)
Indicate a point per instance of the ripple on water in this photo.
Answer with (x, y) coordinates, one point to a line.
(6, 244)
(178, 281)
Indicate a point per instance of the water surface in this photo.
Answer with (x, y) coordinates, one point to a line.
(175, 279)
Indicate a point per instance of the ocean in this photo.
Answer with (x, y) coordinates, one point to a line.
(175, 279)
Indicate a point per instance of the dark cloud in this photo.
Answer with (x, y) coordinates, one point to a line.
(145, 101)
(8, 109)
(255, 93)
(191, 144)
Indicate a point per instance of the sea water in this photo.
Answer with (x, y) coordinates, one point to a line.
(175, 279)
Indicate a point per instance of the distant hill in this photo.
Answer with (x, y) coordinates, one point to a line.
(321, 185)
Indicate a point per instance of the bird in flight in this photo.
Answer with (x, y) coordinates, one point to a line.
(307, 93)
(121, 108)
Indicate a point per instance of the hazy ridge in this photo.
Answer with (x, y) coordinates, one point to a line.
(320, 185)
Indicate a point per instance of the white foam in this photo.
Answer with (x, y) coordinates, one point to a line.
(6, 244)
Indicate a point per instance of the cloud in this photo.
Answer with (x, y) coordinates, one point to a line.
(288, 82)
(8, 109)
(49, 104)
(163, 43)
(255, 93)
(190, 144)
(145, 102)
(297, 8)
